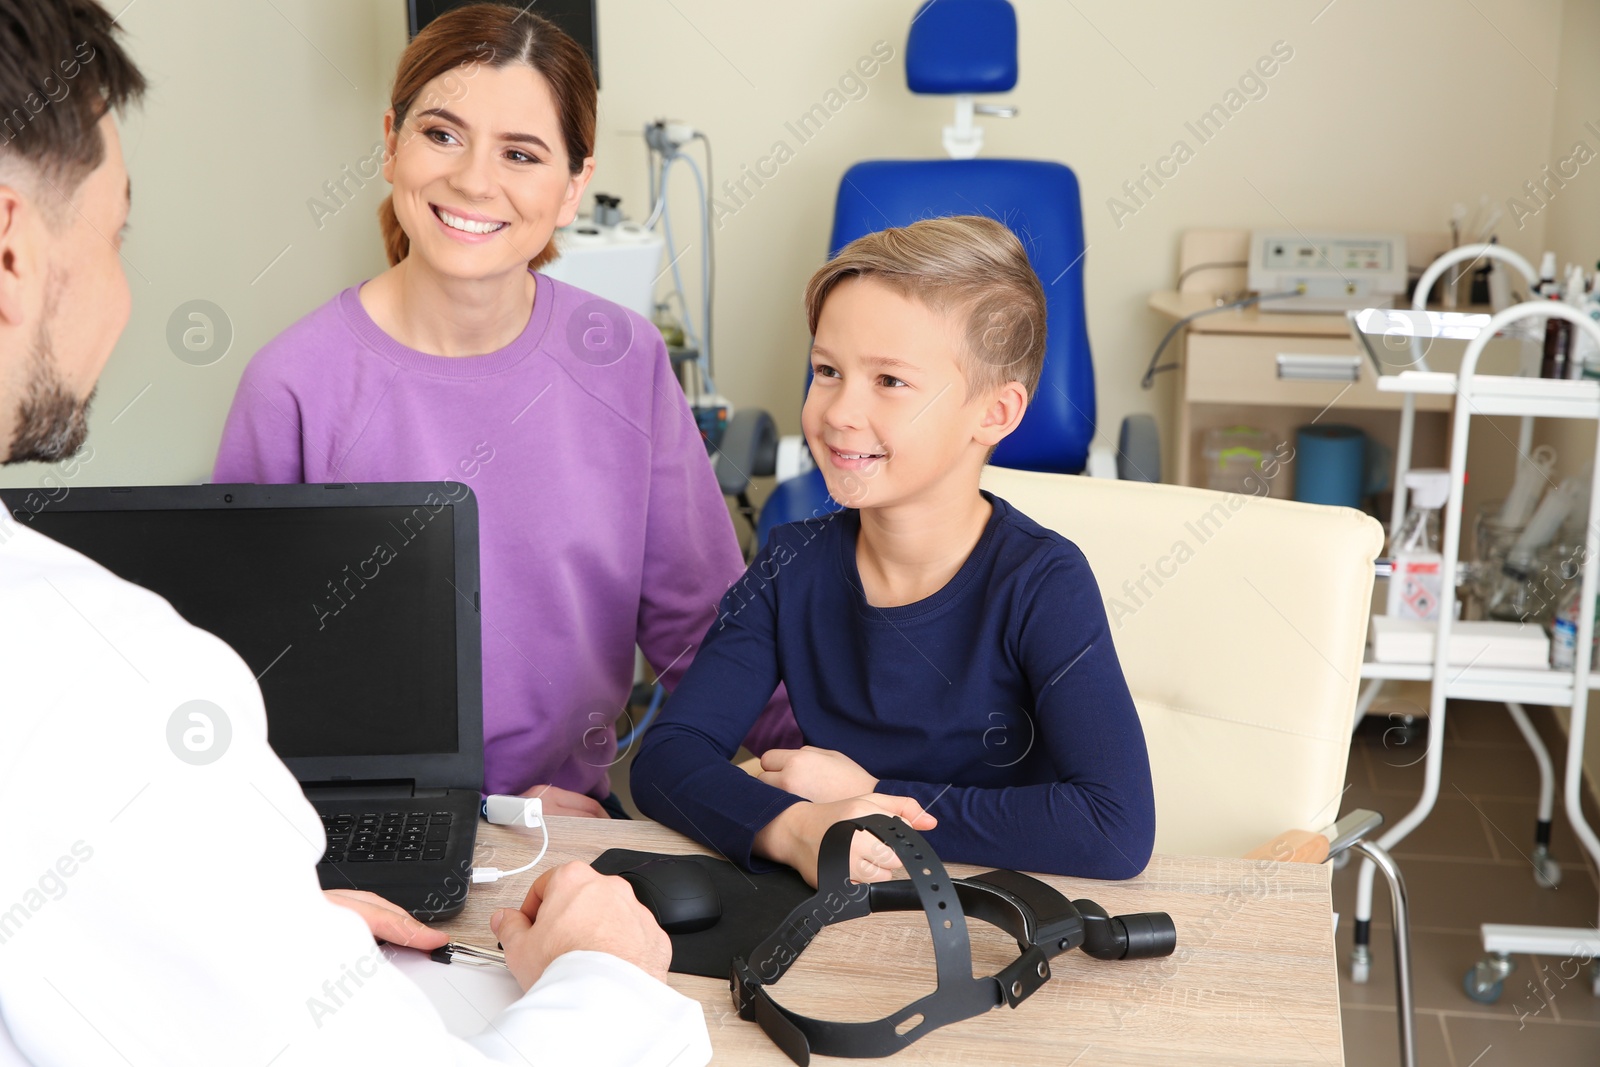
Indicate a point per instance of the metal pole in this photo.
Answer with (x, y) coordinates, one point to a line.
(1402, 946)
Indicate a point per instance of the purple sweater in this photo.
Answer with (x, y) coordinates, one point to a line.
(601, 524)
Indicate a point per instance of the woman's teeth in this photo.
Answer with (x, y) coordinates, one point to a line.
(456, 222)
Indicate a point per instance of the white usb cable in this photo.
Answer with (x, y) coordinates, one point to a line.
(513, 811)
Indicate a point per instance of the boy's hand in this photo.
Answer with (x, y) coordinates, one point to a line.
(795, 836)
(818, 774)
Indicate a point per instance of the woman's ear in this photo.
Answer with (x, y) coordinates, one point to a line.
(16, 256)
(574, 195)
(391, 144)
(1002, 413)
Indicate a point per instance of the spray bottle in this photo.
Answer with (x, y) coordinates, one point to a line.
(1416, 584)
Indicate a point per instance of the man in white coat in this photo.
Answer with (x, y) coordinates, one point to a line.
(155, 910)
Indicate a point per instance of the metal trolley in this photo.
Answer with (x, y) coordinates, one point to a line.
(1404, 368)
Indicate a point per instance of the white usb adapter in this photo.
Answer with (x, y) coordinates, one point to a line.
(513, 811)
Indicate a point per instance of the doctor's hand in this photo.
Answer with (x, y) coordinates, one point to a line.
(795, 836)
(387, 921)
(818, 774)
(558, 801)
(574, 908)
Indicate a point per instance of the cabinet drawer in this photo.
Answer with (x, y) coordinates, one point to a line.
(1287, 370)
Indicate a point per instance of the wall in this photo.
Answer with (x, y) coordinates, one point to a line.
(251, 108)
(1384, 116)
(1572, 221)
(1371, 124)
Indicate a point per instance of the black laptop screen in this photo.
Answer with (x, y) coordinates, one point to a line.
(345, 615)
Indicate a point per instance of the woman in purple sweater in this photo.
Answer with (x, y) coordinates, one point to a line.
(601, 522)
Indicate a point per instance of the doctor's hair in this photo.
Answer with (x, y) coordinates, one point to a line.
(61, 70)
(968, 266)
(495, 35)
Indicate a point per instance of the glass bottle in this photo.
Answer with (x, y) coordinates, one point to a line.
(1564, 630)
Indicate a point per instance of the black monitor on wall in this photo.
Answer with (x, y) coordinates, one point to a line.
(575, 17)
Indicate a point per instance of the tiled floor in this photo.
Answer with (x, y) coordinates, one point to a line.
(1464, 866)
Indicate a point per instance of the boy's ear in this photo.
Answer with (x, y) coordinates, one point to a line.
(1001, 414)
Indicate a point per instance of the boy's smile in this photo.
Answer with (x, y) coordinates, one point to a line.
(854, 461)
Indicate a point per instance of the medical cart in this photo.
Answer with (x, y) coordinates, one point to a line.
(1406, 368)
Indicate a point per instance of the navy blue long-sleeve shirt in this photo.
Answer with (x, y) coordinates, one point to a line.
(997, 702)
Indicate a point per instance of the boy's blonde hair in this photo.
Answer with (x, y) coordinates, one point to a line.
(966, 265)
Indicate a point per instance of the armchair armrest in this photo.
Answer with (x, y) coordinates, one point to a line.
(1306, 846)
(1350, 829)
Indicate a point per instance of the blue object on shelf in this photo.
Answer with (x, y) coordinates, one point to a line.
(1330, 465)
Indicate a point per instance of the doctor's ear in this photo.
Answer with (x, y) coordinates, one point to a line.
(18, 255)
(1001, 413)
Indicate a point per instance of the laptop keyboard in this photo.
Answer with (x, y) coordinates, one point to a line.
(386, 837)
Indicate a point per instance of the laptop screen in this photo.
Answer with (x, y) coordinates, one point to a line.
(346, 615)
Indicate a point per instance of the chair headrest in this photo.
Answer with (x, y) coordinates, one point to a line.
(962, 46)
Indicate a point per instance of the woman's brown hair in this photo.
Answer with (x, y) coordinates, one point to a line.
(496, 35)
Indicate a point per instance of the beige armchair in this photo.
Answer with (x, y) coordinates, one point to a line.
(1240, 623)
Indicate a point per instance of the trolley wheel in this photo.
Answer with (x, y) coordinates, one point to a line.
(1483, 994)
(1486, 979)
(1360, 965)
(1546, 871)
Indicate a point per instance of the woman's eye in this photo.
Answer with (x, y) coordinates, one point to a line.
(438, 136)
(520, 157)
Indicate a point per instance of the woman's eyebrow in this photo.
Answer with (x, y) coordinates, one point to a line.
(456, 120)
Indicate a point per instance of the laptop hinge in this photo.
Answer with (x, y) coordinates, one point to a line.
(393, 789)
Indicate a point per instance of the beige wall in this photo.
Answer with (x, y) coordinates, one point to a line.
(1374, 123)
(252, 107)
(1370, 125)
(1572, 221)
(1385, 116)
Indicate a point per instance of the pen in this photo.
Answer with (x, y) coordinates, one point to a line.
(455, 950)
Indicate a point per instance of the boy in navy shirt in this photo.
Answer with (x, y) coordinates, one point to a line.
(947, 659)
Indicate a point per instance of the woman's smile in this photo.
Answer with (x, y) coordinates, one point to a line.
(467, 226)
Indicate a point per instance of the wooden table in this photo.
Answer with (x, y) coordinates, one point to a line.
(1253, 980)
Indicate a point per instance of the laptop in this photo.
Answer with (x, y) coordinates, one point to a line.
(356, 607)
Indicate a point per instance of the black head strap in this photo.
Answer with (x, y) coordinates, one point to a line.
(1003, 901)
